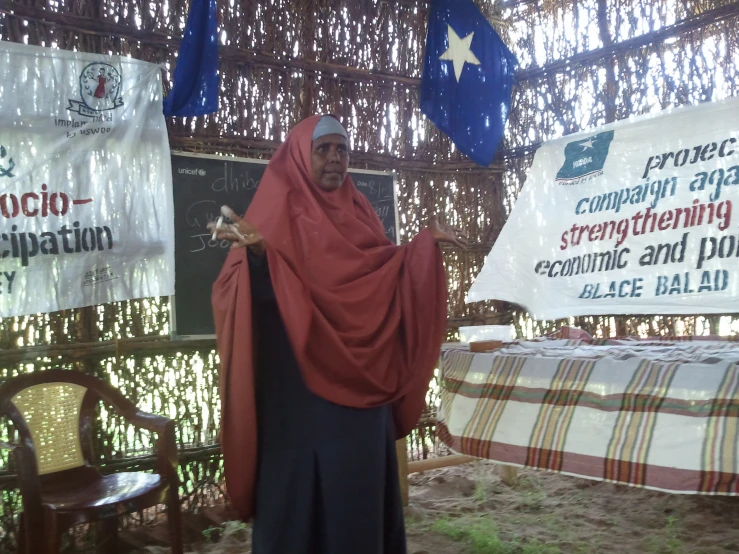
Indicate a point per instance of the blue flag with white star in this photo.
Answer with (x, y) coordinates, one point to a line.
(195, 88)
(467, 78)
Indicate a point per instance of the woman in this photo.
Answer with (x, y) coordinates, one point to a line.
(328, 335)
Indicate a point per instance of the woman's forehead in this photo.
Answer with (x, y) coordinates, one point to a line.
(330, 140)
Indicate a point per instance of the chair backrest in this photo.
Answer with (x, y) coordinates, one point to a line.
(52, 413)
(53, 410)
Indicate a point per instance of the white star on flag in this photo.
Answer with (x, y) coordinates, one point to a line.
(587, 144)
(459, 51)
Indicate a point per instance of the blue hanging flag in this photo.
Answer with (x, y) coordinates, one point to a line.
(195, 88)
(467, 78)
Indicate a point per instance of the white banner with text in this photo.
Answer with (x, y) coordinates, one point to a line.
(632, 218)
(86, 212)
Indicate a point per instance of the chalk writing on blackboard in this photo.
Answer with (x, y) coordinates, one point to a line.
(382, 211)
(200, 213)
(205, 240)
(236, 180)
(369, 188)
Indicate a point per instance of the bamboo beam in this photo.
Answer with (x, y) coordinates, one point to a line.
(440, 462)
(518, 152)
(423, 4)
(689, 24)
(476, 247)
(511, 4)
(149, 462)
(385, 161)
(144, 463)
(491, 318)
(141, 346)
(139, 463)
(162, 344)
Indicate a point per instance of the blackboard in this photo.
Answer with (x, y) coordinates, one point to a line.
(202, 184)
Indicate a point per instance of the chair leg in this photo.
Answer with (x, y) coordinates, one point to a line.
(32, 533)
(53, 537)
(108, 536)
(21, 535)
(174, 519)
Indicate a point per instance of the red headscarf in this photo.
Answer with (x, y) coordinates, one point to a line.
(365, 318)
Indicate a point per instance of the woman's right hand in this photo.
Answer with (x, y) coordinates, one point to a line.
(239, 232)
(448, 234)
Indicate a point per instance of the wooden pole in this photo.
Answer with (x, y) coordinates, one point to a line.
(508, 474)
(438, 463)
(401, 448)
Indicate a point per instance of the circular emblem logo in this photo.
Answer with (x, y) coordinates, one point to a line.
(100, 86)
(201, 172)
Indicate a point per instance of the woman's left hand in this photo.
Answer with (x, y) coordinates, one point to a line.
(447, 233)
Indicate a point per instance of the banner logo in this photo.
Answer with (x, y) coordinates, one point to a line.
(6, 170)
(188, 171)
(584, 159)
(100, 90)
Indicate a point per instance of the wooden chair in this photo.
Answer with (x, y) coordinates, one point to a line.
(53, 412)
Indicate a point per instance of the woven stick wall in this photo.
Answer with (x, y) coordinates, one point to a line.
(583, 63)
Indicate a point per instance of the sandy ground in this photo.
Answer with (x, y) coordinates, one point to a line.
(469, 509)
(543, 512)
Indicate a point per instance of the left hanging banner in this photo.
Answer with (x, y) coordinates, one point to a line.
(86, 211)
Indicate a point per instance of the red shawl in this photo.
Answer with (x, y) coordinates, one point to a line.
(365, 318)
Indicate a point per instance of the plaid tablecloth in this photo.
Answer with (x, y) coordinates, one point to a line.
(659, 415)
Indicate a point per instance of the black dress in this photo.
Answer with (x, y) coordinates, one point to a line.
(327, 477)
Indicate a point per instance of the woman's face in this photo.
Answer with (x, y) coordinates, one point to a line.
(329, 158)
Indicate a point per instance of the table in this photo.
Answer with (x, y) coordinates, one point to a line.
(662, 415)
